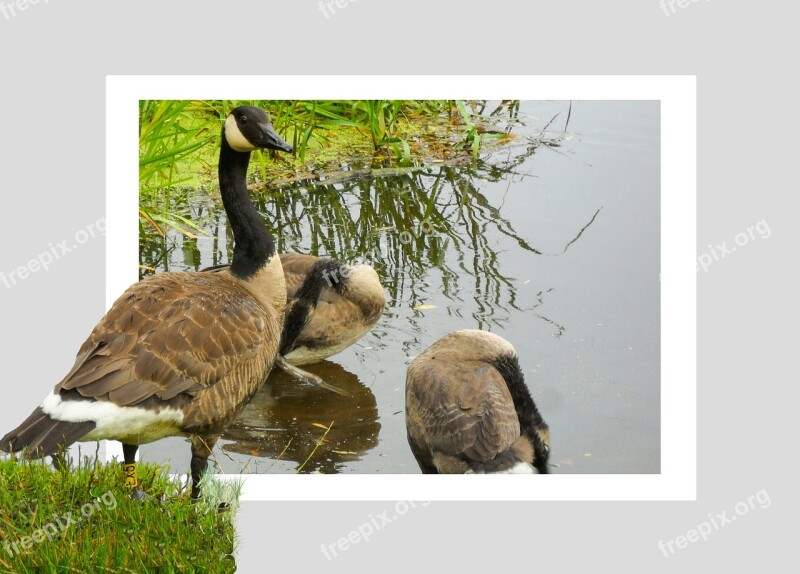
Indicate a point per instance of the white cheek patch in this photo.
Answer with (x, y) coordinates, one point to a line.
(235, 137)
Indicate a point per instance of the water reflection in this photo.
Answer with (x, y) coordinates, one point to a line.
(406, 225)
(286, 420)
(439, 233)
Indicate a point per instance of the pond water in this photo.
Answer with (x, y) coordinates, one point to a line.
(552, 242)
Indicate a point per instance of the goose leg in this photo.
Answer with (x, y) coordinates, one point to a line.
(129, 465)
(201, 450)
(305, 376)
(129, 472)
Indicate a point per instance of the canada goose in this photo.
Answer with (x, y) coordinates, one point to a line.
(178, 353)
(468, 409)
(329, 307)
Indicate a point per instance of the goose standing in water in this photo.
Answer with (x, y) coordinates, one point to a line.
(178, 353)
(468, 409)
(329, 307)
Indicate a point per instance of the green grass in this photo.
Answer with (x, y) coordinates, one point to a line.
(111, 531)
(179, 139)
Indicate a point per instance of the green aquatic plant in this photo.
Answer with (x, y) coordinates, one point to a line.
(170, 133)
(178, 140)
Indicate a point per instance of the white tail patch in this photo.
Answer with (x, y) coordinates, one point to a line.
(519, 468)
(133, 425)
(235, 137)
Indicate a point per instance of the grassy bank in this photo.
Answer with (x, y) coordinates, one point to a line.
(83, 520)
(178, 142)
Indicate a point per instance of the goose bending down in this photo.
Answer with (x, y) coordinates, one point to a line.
(468, 409)
(178, 353)
(329, 307)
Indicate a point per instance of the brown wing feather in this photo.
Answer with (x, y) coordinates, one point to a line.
(460, 409)
(174, 334)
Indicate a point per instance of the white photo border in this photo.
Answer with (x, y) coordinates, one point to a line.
(678, 97)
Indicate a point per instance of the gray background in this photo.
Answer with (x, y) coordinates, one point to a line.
(55, 58)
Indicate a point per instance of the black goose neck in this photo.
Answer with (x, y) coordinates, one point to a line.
(324, 272)
(529, 417)
(253, 245)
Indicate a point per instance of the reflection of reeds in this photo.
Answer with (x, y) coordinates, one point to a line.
(403, 226)
(387, 222)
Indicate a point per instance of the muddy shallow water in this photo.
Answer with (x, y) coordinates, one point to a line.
(552, 242)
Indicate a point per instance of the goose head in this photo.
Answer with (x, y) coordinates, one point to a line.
(248, 128)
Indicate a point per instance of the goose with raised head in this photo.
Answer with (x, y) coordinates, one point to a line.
(468, 410)
(178, 353)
